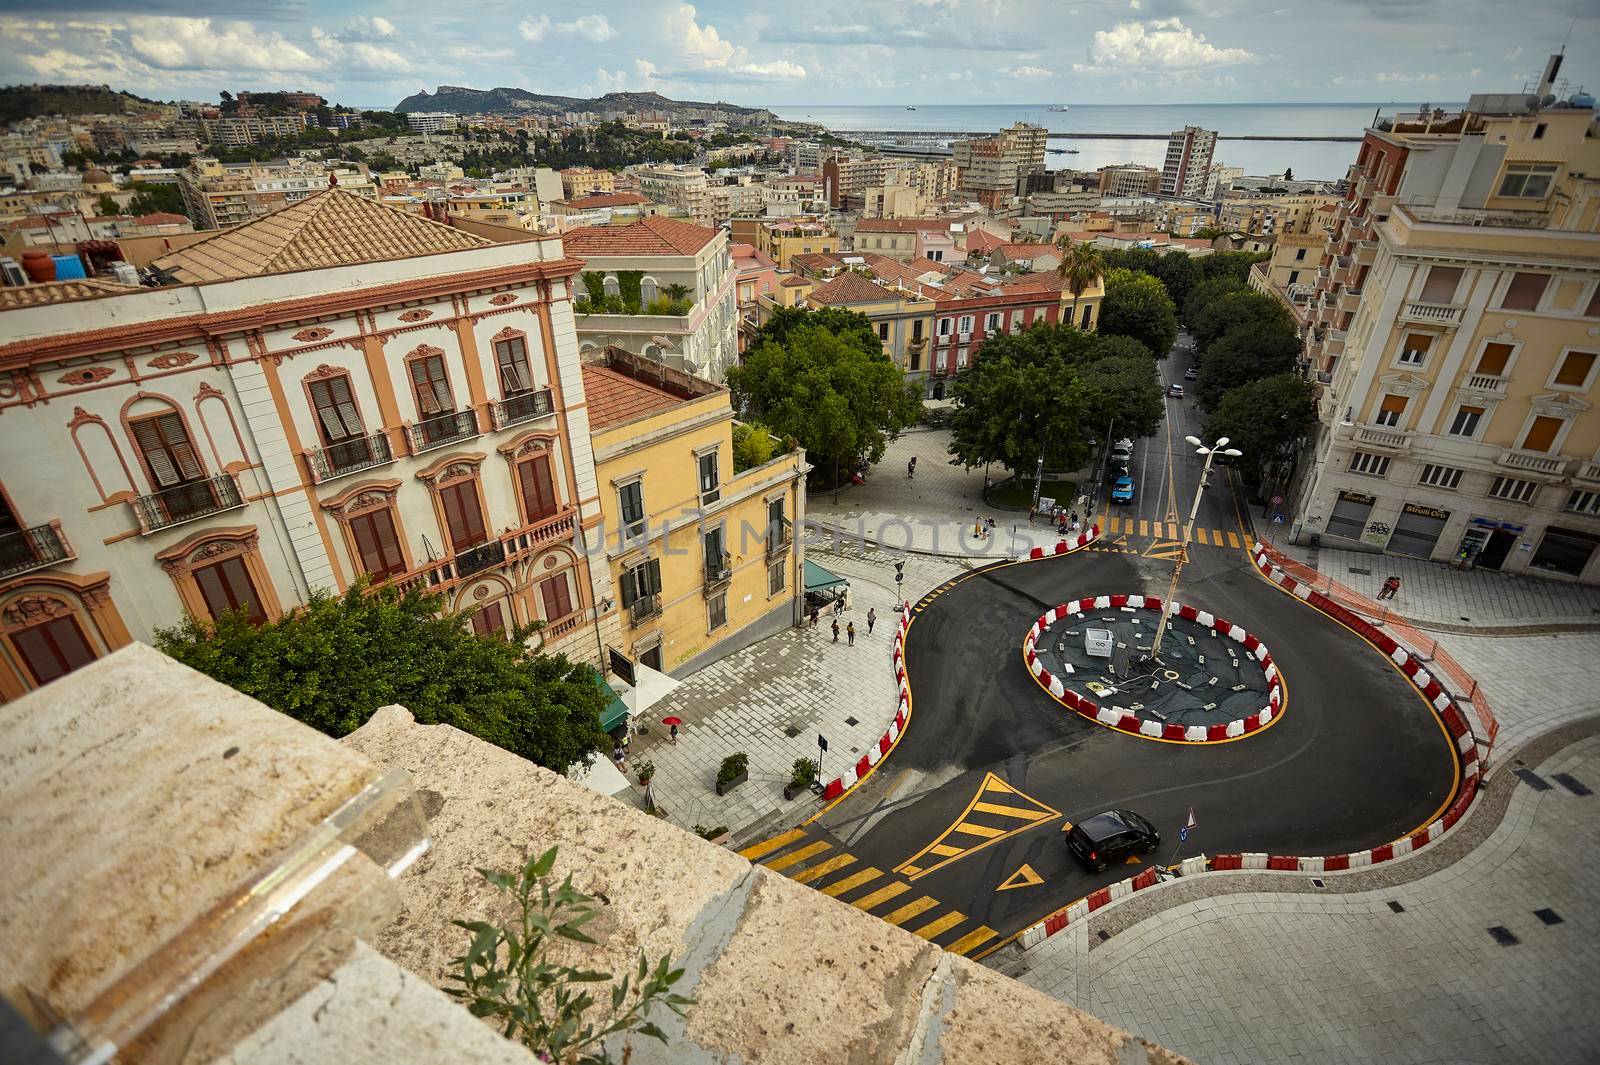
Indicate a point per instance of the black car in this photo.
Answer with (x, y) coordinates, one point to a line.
(1104, 838)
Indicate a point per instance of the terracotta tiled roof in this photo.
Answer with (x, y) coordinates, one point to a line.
(902, 225)
(816, 262)
(648, 236)
(161, 218)
(604, 199)
(981, 240)
(848, 287)
(1026, 251)
(614, 398)
(60, 291)
(794, 282)
(328, 228)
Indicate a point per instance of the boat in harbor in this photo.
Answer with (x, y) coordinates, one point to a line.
(910, 108)
(1058, 108)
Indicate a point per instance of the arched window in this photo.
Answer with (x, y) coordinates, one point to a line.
(52, 624)
(612, 288)
(219, 571)
(647, 291)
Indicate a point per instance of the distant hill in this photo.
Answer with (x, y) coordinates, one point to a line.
(461, 101)
(28, 101)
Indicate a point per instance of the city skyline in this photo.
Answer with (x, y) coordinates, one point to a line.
(929, 52)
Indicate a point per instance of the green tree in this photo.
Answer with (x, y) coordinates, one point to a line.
(334, 662)
(1235, 309)
(1137, 306)
(150, 199)
(1080, 267)
(1124, 389)
(752, 446)
(1202, 294)
(824, 381)
(1265, 419)
(1015, 412)
(1288, 173)
(105, 205)
(1234, 264)
(1244, 354)
(1178, 272)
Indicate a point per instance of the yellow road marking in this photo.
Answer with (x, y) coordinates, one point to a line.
(1131, 860)
(768, 846)
(883, 894)
(1144, 527)
(978, 830)
(976, 938)
(1035, 814)
(798, 856)
(1024, 877)
(854, 880)
(817, 871)
(944, 850)
(910, 910)
(1233, 539)
(1005, 811)
(940, 924)
(1200, 534)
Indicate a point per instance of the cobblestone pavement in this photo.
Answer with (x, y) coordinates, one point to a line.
(1348, 978)
(1534, 683)
(799, 682)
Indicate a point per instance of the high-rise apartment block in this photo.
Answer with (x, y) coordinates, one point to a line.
(580, 181)
(218, 194)
(683, 187)
(1187, 169)
(845, 176)
(432, 121)
(992, 168)
(1129, 179)
(1456, 336)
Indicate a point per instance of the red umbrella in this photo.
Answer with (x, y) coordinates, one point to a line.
(672, 721)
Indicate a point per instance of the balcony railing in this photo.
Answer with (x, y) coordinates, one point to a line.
(644, 608)
(1589, 471)
(348, 456)
(1487, 382)
(185, 502)
(1531, 461)
(1433, 313)
(1396, 440)
(779, 537)
(445, 429)
(522, 407)
(719, 571)
(477, 559)
(27, 549)
(513, 547)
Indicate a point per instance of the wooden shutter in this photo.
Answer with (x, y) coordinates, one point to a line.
(557, 597)
(652, 571)
(1494, 359)
(1575, 368)
(538, 487)
(1541, 434)
(513, 357)
(489, 620)
(53, 649)
(337, 416)
(1440, 287)
(1419, 342)
(463, 515)
(167, 451)
(226, 586)
(432, 386)
(377, 543)
(1393, 404)
(628, 586)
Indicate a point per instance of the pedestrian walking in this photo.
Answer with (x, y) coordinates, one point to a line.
(990, 522)
(815, 614)
(850, 630)
(872, 619)
(838, 605)
(977, 529)
(674, 733)
(1033, 508)
(835, 630)
(1390, 586)
(911, 467)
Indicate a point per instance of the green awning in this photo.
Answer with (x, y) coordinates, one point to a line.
(616, 711)
(819, 579)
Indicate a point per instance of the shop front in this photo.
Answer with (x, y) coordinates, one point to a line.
(1416, 530)
(1488, 542)
(1564, 551)
(1350, 513)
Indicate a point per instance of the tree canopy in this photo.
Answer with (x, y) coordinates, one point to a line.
(1232, 310)
(1137, 305)
(334, 662)
(1265, 419)
(821, 377)
(1201, 295)
(1246, 353)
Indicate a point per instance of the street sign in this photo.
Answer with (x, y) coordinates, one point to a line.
(1191, 823)
(1277, 519)
(822, 741)
(1183, 834)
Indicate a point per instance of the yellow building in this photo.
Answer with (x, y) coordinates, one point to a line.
(703, 557)
(902, 316)
(780, 241)
(1456, 336)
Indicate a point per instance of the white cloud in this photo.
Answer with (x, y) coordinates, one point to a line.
(1515, 53)
(375, 28)
(610, 80)
(708, 50)
(1030, 72)
(590, 27)
(1161, 44)
(205, 44)
(356, 54)
(645, 69)
(534, 29)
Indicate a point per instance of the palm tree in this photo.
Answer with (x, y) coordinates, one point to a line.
(1081, 266)
(676, 291)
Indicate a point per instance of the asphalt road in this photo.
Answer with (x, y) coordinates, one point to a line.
(990, 769)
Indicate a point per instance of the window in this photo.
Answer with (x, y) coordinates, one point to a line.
(945, 325)
(1440, 476)
(1593, 309)
(883, 330)
(709, 478)
(716, 612)
(1580, 502)
(1576, 368)
(556, 595)
(432, 387)
(1513, 489)
(1541, 435)
(1389, 411)
(964, 325)
(512, 355)
(630, 498)
(1415, 349)
(1466, 421)
(1440, 287)
(1524, 292)
(1372, 465)
(778, 575)
(1493, 361)
(1294, 276)
(991, 322)
(1538, 133)
(1086, 321)
(715, 558)
(538, 487)
(916, 329)
(377, 543)
(1528, 180)
(167, 452)
(337, 416)
(1300, 255)
(489, 621)
(53, 649)
(463, 516)
(641, 581)
(226, 586)
(647, 291)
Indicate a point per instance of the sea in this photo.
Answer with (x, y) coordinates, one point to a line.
(1308, 159)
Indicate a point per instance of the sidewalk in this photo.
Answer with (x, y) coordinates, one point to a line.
(1347, 978)
(773, 698)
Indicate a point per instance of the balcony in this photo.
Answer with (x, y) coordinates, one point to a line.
(719, 571)
(516, 546)
(185, 502)
(445, 429)
(348, 456)
(1589, 471)
(779, 537)
(644, 608)
(477, 559)
(1531, 461)
(30, 549)
(522, 407)
(1488, 383)
(1349, 300)
(1432, 313)
(1390, 439)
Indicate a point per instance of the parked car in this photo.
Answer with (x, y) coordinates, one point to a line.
(1122, 491)
(1175, 391)
(1105, 838)
(1190, 374)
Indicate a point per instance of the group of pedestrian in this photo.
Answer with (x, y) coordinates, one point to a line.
(849, 628)
(982, 528)
(1391, 585)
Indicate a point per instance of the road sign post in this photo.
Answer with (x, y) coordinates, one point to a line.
(822, 749)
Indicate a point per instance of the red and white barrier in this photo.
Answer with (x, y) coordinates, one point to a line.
(1063, 546)
(867, 762)
(1126, 720)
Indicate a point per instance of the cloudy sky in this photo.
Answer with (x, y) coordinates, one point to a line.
(780, 52)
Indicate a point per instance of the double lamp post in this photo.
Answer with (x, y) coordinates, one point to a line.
(1210, 451)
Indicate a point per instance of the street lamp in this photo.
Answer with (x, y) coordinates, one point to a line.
(1210, 452)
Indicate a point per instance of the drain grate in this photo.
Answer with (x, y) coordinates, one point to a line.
(791, 732)
(1504, 936)
(1363, 572)
(1548, 916)
(1103, 934)
(1571, 783)
(851, 721)
(1532, 779)
(1396, 907)
(1316, 881)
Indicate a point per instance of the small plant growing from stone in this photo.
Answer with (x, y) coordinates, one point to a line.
(709, 833)
(507, 974)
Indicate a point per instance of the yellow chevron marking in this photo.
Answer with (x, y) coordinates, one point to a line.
(883, 894)
(768, 846)
(1022, 807)
(978, 830)
(976, 938)
(854, 880)
(817, 871)
(940, 924)
(795, 857)
(910, 910)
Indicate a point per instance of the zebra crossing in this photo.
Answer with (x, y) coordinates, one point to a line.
(1114, 525)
